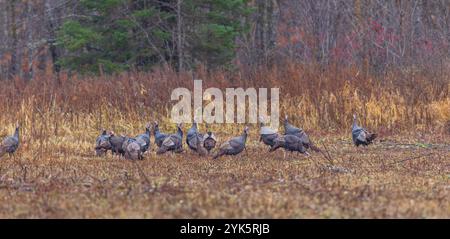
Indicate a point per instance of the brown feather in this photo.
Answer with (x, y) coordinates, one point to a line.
(371, 137)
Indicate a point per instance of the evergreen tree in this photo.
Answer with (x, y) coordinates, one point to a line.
(117, 35)
(214, 27)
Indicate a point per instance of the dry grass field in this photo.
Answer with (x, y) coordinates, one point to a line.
(391, 179)
(404, 174)
(384, 181)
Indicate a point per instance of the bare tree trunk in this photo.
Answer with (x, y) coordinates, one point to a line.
(179, 36)
(30, 46)
(3, 37)
(13, 38)
(265, 36)
(51, 26)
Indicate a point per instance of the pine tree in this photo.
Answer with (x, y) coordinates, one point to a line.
(214, 27)
(117, 35)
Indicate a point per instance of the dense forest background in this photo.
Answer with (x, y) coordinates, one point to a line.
(108, 36)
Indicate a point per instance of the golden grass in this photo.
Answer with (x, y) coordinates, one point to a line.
(56, 175)
(252, 185)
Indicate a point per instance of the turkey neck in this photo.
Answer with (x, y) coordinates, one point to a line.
(156, 131)
(287, 125)
(16, 133)
(180, 132)
(244, 136)
(355, 125)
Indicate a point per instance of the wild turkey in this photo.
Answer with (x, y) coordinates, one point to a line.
(360, 135)
(102, 144)
(159, 137)
(201, 150)
(192, 137)
(233, 146)
(126, 141)
(209, 141)
(144, 139)
(289, 129)
(10, 144)
(267, 134)
(133, 150)
(173, 142)
(116, 144)
(290, 143)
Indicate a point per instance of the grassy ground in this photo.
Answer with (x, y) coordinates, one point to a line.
(399, 177)
(405, 174)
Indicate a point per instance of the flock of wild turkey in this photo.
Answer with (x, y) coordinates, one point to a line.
(294, 139)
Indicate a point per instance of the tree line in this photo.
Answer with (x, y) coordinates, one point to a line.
(108, 36)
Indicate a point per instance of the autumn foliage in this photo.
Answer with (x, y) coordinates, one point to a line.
(317, 98)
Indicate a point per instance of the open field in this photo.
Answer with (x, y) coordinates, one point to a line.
(405, 174)
(72, 70)
(398, 178)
